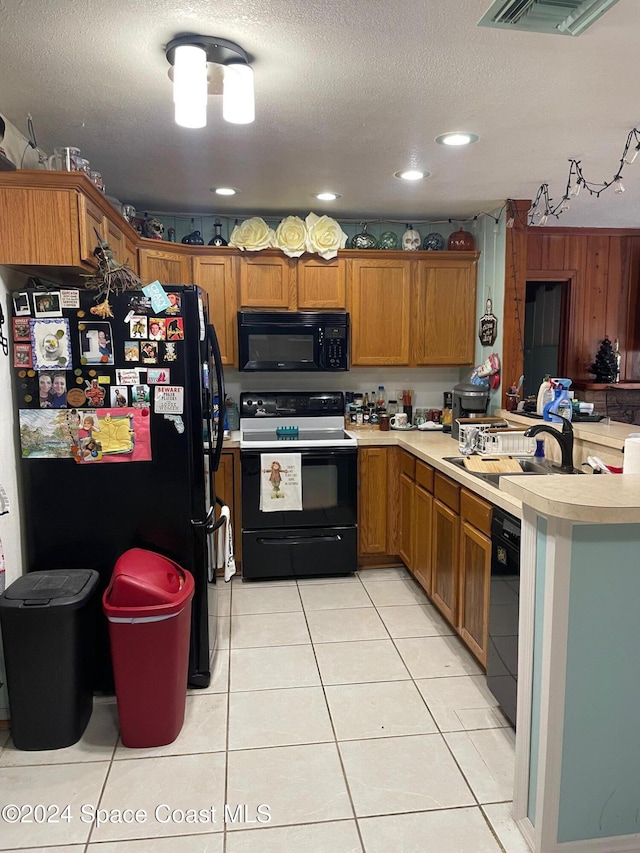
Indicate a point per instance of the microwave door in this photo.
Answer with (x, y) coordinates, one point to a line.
(278, 348)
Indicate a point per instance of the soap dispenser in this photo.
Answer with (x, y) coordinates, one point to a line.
(561, 403)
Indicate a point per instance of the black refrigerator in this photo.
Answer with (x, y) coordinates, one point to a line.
(120, 413)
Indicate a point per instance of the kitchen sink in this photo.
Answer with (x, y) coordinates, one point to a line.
(527, 464)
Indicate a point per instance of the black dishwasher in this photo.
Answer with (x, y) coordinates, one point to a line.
(502, 651)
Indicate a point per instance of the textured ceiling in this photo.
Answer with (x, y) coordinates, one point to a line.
(347, 93)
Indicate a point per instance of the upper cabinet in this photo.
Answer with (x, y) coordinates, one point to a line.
(163, 264)
(217, 277)
(444, 308)
(413, 310)
(379, 297)
(267, 280)
(322, 285)
(51, 218)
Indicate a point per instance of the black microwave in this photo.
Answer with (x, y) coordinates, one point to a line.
(304, 340)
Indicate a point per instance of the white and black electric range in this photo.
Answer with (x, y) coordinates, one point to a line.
(320, 536)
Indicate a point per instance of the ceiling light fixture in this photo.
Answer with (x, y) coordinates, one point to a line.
(411, 174)
(224, 191)
(457, 138)
(328, 196)
(189, 55)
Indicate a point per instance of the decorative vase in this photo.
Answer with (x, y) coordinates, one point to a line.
(433, 242)
(364, 240)
(193, 239)
(411, 239)
(461, 241)
(218, 239)
(388, 240)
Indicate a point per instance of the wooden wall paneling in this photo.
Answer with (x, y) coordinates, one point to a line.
(552, 252)
(515, 283)
(595, 300)
(575, 257)
(631, 349)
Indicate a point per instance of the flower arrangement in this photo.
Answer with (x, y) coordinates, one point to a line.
(319, 235)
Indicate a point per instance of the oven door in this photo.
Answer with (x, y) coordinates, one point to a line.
(279, 347)
(329, 491)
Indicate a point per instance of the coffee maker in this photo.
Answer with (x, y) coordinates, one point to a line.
(469, 401)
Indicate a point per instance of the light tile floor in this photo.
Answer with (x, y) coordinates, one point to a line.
(345, 710)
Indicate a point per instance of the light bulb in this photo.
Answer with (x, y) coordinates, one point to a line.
(238, 106)
(543, 220)
(575, 190)
(510, 222)
(190, 86)
(632, 154)
(564, 207)
(618, 186)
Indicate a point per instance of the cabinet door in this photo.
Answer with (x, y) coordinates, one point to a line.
(407, 521)
(267, 282)
(165, 266)
(444, 312)
(372, 500)
(423, 513)
(115, 238)
(444, 560)
(475, 580)
(92, 219)
(379, 293)
(217, 277)
(322, 284)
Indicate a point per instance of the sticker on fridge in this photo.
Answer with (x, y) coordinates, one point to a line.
(168, 400)
(157, 295)
(158, 376)
(175, 329)
(51, 344)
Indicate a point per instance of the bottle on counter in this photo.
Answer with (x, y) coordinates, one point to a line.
(392, 407)
(545, 394)
(381, 401)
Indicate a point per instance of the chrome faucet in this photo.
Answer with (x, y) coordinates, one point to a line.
(564, 439)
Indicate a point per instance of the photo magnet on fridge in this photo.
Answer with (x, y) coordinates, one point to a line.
(96, 343)
(175, 303)
(21, 306)
(21, 329)
(156, 329)
(119, 396)
(47, 304)
(22, 355)
(138, 326)
(51, 344)
(149, 351)
(52, 389)
(131, 351)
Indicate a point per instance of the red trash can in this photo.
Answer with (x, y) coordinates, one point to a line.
(148, 606)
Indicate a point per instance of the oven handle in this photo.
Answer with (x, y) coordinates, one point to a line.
(298, 540)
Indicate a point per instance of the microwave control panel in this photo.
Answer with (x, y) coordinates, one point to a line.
(335, 348)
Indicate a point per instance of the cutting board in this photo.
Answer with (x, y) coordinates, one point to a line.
(492, 464)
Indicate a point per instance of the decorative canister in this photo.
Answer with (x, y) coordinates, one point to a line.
(461, 241)
(388, 240)
(364, 240)
(433, 242)
(410, 239)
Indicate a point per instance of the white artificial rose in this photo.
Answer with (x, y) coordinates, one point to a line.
(291, 236)
(324, 236)
(253, 235)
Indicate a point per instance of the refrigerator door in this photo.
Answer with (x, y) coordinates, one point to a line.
(85, 514)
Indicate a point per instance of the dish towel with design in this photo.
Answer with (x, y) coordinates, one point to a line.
(280, 481)
(225, 558)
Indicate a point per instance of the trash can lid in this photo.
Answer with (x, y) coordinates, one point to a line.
(56, 587)
(145, 581)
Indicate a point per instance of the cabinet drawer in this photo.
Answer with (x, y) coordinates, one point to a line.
(407, 464)
(476, 511)
(424, 476)
(447, 492)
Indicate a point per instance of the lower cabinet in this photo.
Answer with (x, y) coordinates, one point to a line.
(475, 572)
(378, 496)
(227, 484)
(445, 544)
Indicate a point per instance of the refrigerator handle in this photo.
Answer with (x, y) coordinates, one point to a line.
(217, 363)
(208, 522)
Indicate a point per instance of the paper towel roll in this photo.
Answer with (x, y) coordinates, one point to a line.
(631, 462)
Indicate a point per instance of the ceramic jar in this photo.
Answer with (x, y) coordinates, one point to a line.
(461, 241)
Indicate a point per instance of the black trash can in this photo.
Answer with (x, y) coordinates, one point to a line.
(48, 630)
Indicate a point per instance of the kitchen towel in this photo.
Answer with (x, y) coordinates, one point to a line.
(280, 482)
(225, 558)
(631, 459)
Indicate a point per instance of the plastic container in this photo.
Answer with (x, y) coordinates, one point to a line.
(545, 395)
(48, 624)
(561, 403)
(148, 605)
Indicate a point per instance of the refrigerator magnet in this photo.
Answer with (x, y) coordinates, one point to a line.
(50, 343)
(132, 351)
(140, 396)
(169, 351)
(175, 329)
(22, 355)
(95, 343)
(21, 306)
(138, 304)
(47, 304)
(168, 400)
(128, 376)
(119, 396)
(76, 397)
(138, 326)
(21, 329)
(157, 329)
(149, 350)
(158, 376)
(156, 293)
(175, 303)
(69, 298)
(94, 393)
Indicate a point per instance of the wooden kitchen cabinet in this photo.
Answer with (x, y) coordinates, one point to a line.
(408, 520)
(475, 572)
(379, 294)
(443, 310)
(217, 277)
(445, 547)
(168, 266)
(227, 485)
(267, 280)
(423, 521)
(372, 500)
(322, 285)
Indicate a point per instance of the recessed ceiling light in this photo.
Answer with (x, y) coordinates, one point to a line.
(224, 191)
(411, 175)
(457, 138)
(328, 196)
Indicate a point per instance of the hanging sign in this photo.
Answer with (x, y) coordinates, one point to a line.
(168, 400)
(488, 328)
